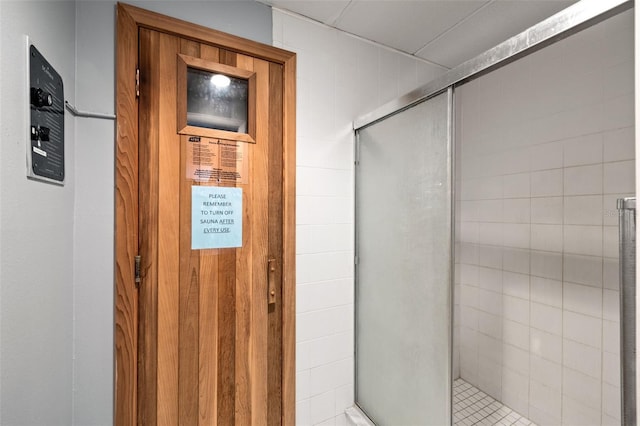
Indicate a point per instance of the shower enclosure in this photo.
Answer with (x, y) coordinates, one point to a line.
(404, 311)
(487, 233)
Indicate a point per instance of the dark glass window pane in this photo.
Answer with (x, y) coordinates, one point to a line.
(217, 101)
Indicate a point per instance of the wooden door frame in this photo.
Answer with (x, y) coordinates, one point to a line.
(128, 21)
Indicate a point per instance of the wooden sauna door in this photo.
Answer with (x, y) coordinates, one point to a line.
(210, 327)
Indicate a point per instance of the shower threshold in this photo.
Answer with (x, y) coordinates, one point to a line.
(471, 406)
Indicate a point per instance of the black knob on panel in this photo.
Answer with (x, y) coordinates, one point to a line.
(40, 133)
(43, 133)
(40, 98)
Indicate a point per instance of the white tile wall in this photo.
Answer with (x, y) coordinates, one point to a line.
(545, 146)
(339, 78)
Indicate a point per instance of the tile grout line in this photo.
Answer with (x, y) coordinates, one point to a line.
(483, 410)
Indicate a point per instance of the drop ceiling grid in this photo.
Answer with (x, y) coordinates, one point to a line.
(405, 25)
(445, 32)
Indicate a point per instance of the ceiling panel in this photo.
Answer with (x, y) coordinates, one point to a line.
(326, 11)
(404, 24)
(491, 25)
(446, 32)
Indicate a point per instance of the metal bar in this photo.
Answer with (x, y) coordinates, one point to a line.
(627, 230)
(85, 114)
(569, 21)
(356, 267)
(451, 146)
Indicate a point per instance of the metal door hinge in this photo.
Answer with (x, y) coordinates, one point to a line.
(137, 82)
(137, 271)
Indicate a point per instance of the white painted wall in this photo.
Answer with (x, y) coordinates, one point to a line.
(339, 78)
(546, 148)
(36, 229)
(94, 216)
(1, 133)
(636, 74)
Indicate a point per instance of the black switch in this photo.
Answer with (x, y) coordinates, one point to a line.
(40, 98)
(40, 133)
(43, 133)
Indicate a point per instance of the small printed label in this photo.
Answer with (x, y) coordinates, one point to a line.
(216, 161)
(39, 151)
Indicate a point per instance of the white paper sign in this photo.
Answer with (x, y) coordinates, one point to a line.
(216, 217)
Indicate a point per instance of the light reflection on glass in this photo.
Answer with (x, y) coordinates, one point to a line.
(217, 101)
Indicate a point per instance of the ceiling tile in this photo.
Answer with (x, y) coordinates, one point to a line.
(406, 25)
(491, 25)
(326, 11)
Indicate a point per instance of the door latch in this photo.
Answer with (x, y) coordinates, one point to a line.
(271, 279)
(137, 271)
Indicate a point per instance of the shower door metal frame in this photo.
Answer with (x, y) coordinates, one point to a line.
(577, 17)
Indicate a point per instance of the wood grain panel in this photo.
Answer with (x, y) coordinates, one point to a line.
(209, 53)
(168, 230)
(208, 329)
(189, 288)
(219, 347)
(148, 222)
(227, 319)
(146, 18)
(260, 224)
(244, 278)
(207, 359)
(274, 356)
(228, 57)
(226, 337)
(289, 246)
(126, 222)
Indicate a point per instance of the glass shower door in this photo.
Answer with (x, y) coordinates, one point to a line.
(403, 273)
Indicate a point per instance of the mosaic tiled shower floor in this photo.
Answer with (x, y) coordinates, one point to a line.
(471, 406)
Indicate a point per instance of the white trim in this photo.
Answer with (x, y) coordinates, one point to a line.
(356, 417)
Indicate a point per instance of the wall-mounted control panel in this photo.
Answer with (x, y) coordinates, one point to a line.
(45, 156)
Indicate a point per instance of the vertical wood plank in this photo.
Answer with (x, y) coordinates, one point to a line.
(244, 276)
(228, 57)
(226, 337)
(208, 329)
(148, 222)
(274, 378)
(209, 53)
(289, 246)
(227, 318)
(126, 223)
(168, 230)
(189, 289)
(207, 392)
(260, 223)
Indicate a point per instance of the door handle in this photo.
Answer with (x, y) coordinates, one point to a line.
(627, 241)
(271, 281)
